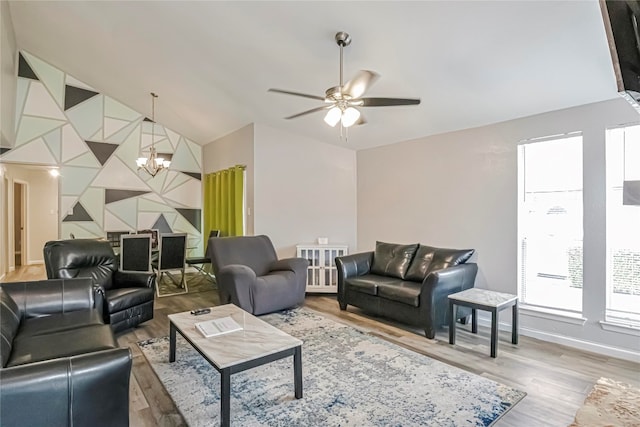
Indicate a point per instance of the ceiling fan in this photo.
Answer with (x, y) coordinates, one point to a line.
(343, 101)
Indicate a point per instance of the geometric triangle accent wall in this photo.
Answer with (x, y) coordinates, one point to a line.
(94, 140)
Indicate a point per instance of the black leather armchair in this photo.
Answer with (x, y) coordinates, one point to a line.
(250, 275)
(127, 296)
(60, 363)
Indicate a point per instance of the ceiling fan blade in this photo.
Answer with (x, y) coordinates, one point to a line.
(357, 86)
(304, 95)
(388, 102)
(313, 110)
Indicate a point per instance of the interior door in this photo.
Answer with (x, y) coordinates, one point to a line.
(19, 224)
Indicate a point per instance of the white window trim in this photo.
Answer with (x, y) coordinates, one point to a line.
(620, 327)
(552, 314)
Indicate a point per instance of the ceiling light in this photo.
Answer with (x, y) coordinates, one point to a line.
(333, 116)
(350, 116)
(54, 172)
(152, 164)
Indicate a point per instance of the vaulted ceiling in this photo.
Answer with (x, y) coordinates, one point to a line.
(211, 62)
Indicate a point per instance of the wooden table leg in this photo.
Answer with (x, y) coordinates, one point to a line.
(453, 310)
(172, 342)
(297, 371)
(514, 323)
(225, 398)
(494, 332)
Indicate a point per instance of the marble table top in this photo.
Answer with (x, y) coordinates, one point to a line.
(484, 297)
(256, 339)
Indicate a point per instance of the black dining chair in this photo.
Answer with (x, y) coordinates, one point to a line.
(172, 252)
(135, 252)
(201, 263)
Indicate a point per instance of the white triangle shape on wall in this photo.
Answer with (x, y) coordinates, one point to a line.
(93, 202)
(113, 223)
(34, 127)
(40, 103)
(112, 126)
(54, 141)
(196, 150)
(125, 210)
(87, 116)
(35, 152)
(183, 160)
(188, 194)
(72, 144)
(72, 81)
(21, 96)
(147, 219)
(115, 174)
(52, 78)
(117, 110)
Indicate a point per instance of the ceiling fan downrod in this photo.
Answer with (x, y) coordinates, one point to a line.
(343, 39)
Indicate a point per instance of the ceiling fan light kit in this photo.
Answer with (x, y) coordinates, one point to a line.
(343, 99)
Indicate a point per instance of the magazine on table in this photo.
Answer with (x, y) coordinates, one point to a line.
(214, 327)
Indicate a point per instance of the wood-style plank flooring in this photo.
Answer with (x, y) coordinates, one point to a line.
(556, 378)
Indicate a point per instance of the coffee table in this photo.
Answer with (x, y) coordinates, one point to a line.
(483, 299)
(256, 344)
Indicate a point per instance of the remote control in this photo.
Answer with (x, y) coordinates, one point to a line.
(200, 311)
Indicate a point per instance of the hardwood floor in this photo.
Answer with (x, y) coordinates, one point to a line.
(556, 378)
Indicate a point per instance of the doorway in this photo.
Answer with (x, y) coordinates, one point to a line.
(19, 223)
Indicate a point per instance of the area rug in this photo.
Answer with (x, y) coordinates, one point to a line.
(195, 282)
(350, 379)
(610, 403)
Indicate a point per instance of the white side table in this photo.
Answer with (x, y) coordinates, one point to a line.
(482, 299)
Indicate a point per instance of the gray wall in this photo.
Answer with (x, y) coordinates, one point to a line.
(460, 190)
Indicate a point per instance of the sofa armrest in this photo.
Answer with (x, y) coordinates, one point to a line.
(297, 265)
(44, 297)
(88, 389)
(235, 285)
(351, 266)
(133, 279)
(439, 284)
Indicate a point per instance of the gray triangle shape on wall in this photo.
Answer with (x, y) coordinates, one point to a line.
(4, 150)
(162, 225)
(24, 69)
(102, 150)
(111, 196)
(79, 214)
(191, 215)
(194, 175)
(75, 95)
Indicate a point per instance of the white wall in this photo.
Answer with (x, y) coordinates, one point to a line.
(460, 190)
(42, 208)
(8, 82)
(304, 189)
(230, 150)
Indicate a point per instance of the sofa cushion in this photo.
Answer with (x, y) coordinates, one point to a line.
(368, 283)
(59, 322)
(445, 258)
(9, 324)
(401, 291)
(417, 271)
(390, 259)
(30, 349)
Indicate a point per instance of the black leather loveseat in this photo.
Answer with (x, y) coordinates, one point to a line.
(408, 283)
(61, 365)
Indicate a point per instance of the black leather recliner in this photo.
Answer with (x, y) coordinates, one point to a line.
(60, 363)
(127, 296)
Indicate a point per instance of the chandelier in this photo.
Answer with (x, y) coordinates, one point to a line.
(152, 164)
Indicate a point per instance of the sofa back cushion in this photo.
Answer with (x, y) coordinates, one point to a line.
(68, 259)
(429, 258)
(390, 259)
(9, 324)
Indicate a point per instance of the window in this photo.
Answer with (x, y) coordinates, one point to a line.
(623, 224)
(550, 223)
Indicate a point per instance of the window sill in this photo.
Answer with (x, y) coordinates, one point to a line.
(551, 314)
(620, 327)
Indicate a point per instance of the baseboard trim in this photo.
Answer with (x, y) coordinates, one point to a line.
(602, 349)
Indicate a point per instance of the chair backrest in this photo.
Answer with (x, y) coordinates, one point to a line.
(172, 251)
(66, 259)
(155, 233)
(256, 252)
(135, 252)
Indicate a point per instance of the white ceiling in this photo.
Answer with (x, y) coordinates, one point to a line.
(211, 62)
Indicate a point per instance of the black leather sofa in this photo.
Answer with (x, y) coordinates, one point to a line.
(127, 297)
(408, 283)
(61, 365)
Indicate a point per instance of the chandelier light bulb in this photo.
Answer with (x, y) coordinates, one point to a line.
(350, 116)
(333, 116)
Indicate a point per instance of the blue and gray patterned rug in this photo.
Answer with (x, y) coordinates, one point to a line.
(350, 379)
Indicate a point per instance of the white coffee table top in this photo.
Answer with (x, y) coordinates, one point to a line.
(256, 339)
(484, 297)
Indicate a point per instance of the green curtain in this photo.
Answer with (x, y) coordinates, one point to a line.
(224, 202)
